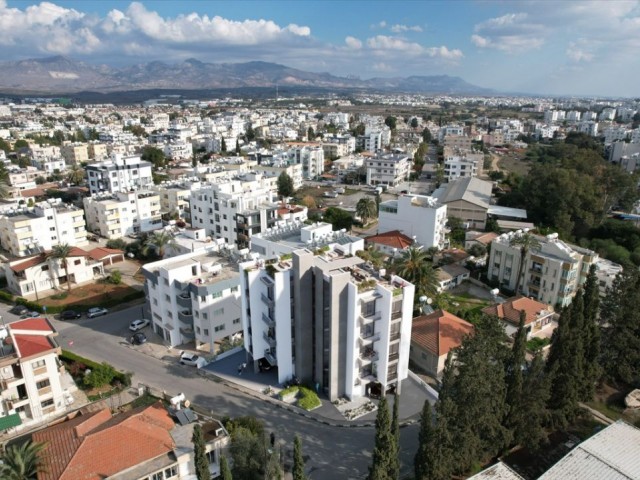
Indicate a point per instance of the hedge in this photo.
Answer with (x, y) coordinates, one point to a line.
(109, 302)
(6, 297)
(70, 357)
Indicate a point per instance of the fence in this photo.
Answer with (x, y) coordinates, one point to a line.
(428, 388)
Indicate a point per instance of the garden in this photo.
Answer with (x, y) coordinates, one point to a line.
(97, 380)
(303, 397)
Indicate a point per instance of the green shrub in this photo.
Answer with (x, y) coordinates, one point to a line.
(117, 244)
(99, 376)
(308, 399)
(288, 391)
(6, 297)
(115, 277)
(537, 343)
(70, 358)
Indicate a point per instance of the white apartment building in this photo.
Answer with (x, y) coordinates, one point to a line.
(40, 276)
(49, 165)
(23, 177)
(31, 390)
(607, 114)
(123, 213)
(388, 169)
(588, 127)
(459, 163)
(615, 134)
(573, 116)
(120, 174)
(44, 151)
(457, 130)
(551, 274)
(178, 150)
(418, 216)
(327, 320)
(234, 209)
(194, 297)
(371, 141)
(29, 231)
(311, 159)
(174, 197)
(275, 168)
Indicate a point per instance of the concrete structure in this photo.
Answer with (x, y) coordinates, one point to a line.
(275, 168)
(194, 297)
(450, 276)
(310, 157)
(174, 198)
(538, 316)
(467, 199)
(29, 231)
(417, 216)
(606, 272)
(460, 163)
(39, 276)
(328, 321)
(123, 213)
(120, 174)
(551, 274)
(30, 386)
(388, 169)
(75, 153)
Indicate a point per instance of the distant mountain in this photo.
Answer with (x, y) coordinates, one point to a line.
(63, 75)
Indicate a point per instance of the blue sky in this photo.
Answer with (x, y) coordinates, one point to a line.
(547, 47)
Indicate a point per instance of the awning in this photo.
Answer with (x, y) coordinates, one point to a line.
(10, 421)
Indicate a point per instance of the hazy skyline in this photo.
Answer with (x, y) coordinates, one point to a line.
(579, 48)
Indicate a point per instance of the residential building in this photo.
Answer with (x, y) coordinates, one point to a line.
(392, 243)
(276, 168)
(461, 142)
(120, 174)
(460, 163)
(178, 150)
(450, 276)
(174, 198)
(49, 165)
(31, 389)
(552, 273)
(538, 316)
(23, 177)
(473, 237)
(75, 153)
(433, 336)
(97, 151)
(310, 157)
(39, 276)
(194, 297)
(606, 272)
(235, 209)
(328, 320)
(468, 199)
(145, 443)
(388, 169)
(420, 217)
(123, 213)
(29, 231)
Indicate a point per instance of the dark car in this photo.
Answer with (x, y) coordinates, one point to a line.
(70, 315)
(138, 338)
(19, 310)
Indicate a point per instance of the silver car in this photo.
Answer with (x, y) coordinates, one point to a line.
(96, 312)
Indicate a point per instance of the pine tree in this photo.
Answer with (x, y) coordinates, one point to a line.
(379, 469)
(591, 336)
(394, 448)
(201, 462)
(225, 471)
(298, 461)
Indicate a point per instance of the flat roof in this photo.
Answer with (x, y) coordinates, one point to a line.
(507, 212)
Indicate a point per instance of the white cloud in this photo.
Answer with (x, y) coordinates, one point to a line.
(381, 24)
(382, 67)
(444, 52)
(511, 33)
(353, 43)
(405, 28)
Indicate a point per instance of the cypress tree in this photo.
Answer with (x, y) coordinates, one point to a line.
(529, 429)
(394, 470)
(591, 336)
(225, 471)
(379, 469)
(223, 145)
(237, 147)
(422, 462)
(201, 462)
(298, 461)
(514, 377)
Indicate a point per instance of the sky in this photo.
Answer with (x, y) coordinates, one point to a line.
(560, 47)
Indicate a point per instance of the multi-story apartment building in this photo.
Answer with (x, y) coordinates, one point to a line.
(123, 213)
(23, 177)
(29, 231)
(120, 174)
(552, 273)
(97, 151)
(310, 157)
(30, 387)
(234, 210)
(49, 165)
(417, 216)
(327, 320)
(461, 142)
(194, 297)
(388, 169)
(178, 150)
(75, 153)
(275, 168)
(460, 163)
(174, 197)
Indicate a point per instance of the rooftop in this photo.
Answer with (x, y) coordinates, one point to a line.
(214, 268)
(393, 238)
(439, 332)
(470, 189)
(511, 309)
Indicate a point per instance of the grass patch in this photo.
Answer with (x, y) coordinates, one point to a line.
(59, 296)
(537, 343)
(305, 397)
(144, 401)
(611, 410)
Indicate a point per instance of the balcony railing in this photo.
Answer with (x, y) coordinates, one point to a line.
(367, 355)
(396, 315)
(267, 300)
(270, 340)
(185, 316)
(184, 300)
(367, 338)
(188, 333)
(394, 356)
(268, 320)
(271, 358)
(394, 336)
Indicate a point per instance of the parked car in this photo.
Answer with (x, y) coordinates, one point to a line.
(187, 358)
(19, 310)
(138, 324)
(96, 312)
(70, 315)
(28, 314)
(138, 338)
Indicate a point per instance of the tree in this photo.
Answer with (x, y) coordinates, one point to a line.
(390, 122)
(248, 451)
(338, 218)
(225, 471)
(298, 460)
(366, 209)
(285, 185)
(514, 377)
(414, 122)
(62, 252)
(525, 242)
(22, 462)
(534, 415)
(426, 135)
(154, 155)
(310, 133)
(430, 461)
(414, 267)
(223, 146)
(381, 463)
(199, 453)
(101, 375)
(76, 175)
(394, 447)
(158, 242)
(591, 336)
(237, 147)
(309, 202)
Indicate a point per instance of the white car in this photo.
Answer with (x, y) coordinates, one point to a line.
(190, 359)
(96, 312)
(138, 324)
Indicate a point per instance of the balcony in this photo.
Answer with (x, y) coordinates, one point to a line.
(268, 320)
(271, 358)
(396, 315)
(271, 341)
(367, 355)
(392, 376)
(186, 316)
(394, 336)
(367, 338)
(184, 300)
(366, 320)
(393, 357)
(268, 301)
(188, 333)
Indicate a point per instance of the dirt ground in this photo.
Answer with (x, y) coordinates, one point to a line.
(88, 294)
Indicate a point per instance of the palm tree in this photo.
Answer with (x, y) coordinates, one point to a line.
(526, 242)
(61, 252)
(22, 462)
(414, 267)
(75, 175)
(158, 243)
(366, 208)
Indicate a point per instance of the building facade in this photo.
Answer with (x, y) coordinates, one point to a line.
(120, 174)
(388, 169)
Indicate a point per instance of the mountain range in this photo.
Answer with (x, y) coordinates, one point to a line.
(56, 75)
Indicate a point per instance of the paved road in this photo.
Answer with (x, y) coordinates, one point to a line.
(333, 452)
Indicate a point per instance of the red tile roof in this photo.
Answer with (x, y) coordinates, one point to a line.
(100, 253)
(42, 258)
(439, 332)
(393, 238)
(509, 311)
(35, 324)
(96, 446)
(31, 345)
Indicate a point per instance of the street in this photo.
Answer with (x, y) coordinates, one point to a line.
(330, 452)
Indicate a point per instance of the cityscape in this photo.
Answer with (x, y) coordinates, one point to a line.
(311, 240)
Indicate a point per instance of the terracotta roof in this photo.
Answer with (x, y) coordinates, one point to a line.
(97, 446)
(510, 310)
(35, 324)
(439, 332)
(393, 238)
(30, 345)
(485, 238)
(42, 258)
(99, 253)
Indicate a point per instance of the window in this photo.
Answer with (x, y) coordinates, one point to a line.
(45, 268)
(42, 384)
(198, 330)
(157, 476)
(171, 472)
(77, 262)
(38, 364)
(236, 321)
(219, 328)
(218, 311)
(217, 294)
(205, 315)
(155, 301)
(234, 289)
(167, 298)
(52, 229)
(211, 456)
(369, 308)
(46, 403)
(206, 332)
